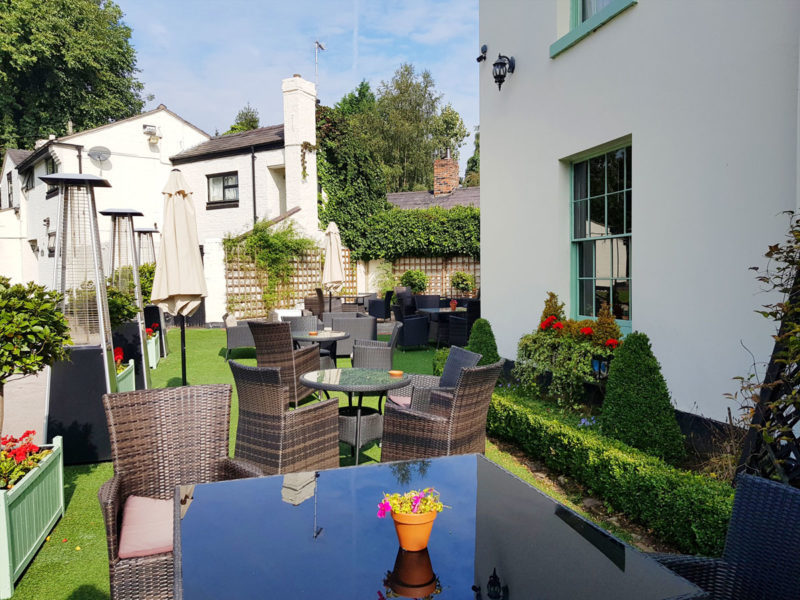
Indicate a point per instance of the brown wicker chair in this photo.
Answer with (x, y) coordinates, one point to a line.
(454, 423)
(277, 439)
(159, 439)
(274, 348)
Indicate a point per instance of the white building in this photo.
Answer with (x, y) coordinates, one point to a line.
(680, 121)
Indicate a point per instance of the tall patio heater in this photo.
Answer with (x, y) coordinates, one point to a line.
(124, 277)
(147, 254)
(76, 385)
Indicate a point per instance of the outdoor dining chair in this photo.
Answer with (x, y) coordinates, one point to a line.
(160, 438)
(237, 334)
(454, 422)
(415, 328)
(275, 348)
(461, 324)
(275, 438)
(380, 309)
(760, 559)
(376, 354)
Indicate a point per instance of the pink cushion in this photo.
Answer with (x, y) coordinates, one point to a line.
(401, 400)
(146, 527)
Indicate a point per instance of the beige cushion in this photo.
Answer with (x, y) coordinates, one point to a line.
(401, 400)
(146, 527)
(230, 320)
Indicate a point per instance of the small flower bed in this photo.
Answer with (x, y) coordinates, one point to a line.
(413, 502)
(17, 457)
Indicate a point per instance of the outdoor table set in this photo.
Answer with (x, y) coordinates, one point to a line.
(326, 337)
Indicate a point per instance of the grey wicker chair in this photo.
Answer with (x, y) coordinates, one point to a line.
(761, 559)
(237, 334)
(162, 438)
(454, 422)
(376, 354)
(275, 438)
(274, 348)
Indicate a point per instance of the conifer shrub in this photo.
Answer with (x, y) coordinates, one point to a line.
(637, 409)
(552, 307)
(481, 341)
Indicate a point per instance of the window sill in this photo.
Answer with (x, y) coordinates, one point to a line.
(589, 25)
(222, 204)
(51, 193)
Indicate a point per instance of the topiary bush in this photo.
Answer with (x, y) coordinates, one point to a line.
(414, 279)
(463, 282)
(637, 409)
(481, 340)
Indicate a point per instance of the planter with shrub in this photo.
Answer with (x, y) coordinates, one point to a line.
(415, 280)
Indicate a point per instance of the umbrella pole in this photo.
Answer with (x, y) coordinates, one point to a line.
(183, 349)
(330, 300)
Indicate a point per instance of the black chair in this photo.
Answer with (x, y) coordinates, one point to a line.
(415, 328)
(406, 301)
(461, 324)
(426, 301)
(380, 309)
(761, 559)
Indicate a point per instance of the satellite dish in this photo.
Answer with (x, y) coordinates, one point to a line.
(99, 153)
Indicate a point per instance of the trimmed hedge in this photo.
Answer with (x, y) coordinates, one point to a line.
(687, 510)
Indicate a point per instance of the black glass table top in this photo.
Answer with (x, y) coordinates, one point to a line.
(353, 380)
(307, 535)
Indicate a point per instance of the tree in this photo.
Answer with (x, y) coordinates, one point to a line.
(472, 176)
(358, 102)
(60, 61)
(246, 119)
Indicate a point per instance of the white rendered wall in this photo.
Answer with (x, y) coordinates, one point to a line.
(707, 94)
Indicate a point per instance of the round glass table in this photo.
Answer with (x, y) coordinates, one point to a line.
(357, 425)
(326, 339)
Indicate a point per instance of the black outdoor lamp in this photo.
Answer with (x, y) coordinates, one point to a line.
(494, 590)
(502, 66)
(484, 50)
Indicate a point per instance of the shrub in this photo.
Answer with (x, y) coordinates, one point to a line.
(637, 408)
(414, 279)
(121, 306)
(481, 340)
(439, 359)
(553, 308)
(684, 509)
(147, 273)
(463, 282)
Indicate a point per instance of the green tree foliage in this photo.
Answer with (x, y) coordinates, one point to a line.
(463, 282)
(472, 176)
(147, 273)
(60, 61)
(360, 101)
(246, 119)
(414, 279)
(637, 408)
(481, 341)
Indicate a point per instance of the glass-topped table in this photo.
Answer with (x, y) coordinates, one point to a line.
(357, 425)
(326, 338)
(316, 535)
(442, 310)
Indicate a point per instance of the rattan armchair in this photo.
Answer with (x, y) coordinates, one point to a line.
(454, 422)
(237, 334)
(461, 324)
(415, 328)
(160, 439)
(274, 348)
(376, 354)
(380, 309)
(761, 559)
(277, 439)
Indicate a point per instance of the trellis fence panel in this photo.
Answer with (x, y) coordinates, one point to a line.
(439, 271)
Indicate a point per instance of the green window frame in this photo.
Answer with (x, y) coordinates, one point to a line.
(584, 17)
(601, 235)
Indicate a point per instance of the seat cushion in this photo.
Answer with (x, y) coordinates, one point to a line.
(401, 400)
(146, 527)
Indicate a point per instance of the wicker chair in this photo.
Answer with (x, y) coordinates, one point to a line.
(415, 328)
(160, 439)
(375, 354)
(274, 348)
(237, 334)
(380, 309)
(277, 439)
(426, 301)
(454, 422)
(760, 560)
(461, 325)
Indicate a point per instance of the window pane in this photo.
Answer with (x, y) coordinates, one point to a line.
(231, 193)
(585, 259)
(602, 259)
(580, 217)
(621, 257)
(602, 293)
(580, 181)
(615, 170)
(591, 7)
(597, 176)
(231, 180)
(628, 212)
(616, 214)
(215, 189)
(622, 300)
(628, 168)
(597, 213)
(585, 297)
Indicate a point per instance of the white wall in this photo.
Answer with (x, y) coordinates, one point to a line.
(707, 93)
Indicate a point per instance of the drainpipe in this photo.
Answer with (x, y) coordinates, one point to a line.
(253, 176)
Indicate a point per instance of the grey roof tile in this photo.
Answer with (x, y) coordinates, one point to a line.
(470, 196)
(235, 143)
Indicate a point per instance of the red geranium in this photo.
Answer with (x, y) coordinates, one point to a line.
(148, 331)
(154, 326)
(119, 355)
(547, 322)
(558, 325)
(587, 330)
(612, 343)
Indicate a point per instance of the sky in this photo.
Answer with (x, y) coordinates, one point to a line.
(205, 60)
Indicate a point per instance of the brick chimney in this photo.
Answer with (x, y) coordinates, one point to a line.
(445, 175)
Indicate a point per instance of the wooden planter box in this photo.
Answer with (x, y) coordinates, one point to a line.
(126, 380)
(154, 350)
(28, 512)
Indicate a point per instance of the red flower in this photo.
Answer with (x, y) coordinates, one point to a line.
(29, 433)
(612, 343)
(558, 325)
(587, 330)
(154, 326)
(148, 331)
(119, 355)
(547, 322)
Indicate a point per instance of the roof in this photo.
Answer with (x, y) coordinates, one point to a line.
(236, 143)
(159, 108)
(17, 156)
(469, 196)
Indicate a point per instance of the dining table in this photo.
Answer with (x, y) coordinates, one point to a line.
(317, 535)
(439, 319)
(325, 338)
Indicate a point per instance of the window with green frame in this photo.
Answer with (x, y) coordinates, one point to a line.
(601, 235)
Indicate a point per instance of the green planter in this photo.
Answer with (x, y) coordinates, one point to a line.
(126, 380)
(154, 349)
(28, 512)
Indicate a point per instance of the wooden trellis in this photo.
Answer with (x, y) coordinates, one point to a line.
(439, 271)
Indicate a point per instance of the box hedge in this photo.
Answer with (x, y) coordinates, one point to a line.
(687, 510)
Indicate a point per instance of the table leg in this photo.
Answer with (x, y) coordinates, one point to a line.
(358, 426)
(333, 354)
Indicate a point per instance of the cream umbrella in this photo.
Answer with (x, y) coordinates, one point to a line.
(179, 285)
(333, 271)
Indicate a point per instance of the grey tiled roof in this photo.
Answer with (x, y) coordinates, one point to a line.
(17, 156)
(235, 143)
(470, 196)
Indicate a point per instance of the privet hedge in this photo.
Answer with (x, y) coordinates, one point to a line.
(687, 510)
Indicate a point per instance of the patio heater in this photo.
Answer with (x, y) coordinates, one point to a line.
(147, 255)
(124, 278)
(76, 385)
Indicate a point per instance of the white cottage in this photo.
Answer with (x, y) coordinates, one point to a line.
(640, 153)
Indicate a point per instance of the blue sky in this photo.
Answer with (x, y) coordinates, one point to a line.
(205, 60)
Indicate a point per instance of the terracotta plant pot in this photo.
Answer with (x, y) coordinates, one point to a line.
(413, 530)
(413, 575)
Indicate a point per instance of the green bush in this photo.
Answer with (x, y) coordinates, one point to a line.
(439, 359)
(121, 306)
(481, 340)
(463, 282)
(637, 408)
(147, 273)
(684, 509)
(414, 279)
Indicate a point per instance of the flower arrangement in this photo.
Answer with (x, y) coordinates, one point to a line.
(413, 502)
(17, 457)
(119, 357)
(151, 331)
(453, 304)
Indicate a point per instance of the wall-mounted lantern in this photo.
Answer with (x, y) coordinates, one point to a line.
(484, 50)
(501, 67)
